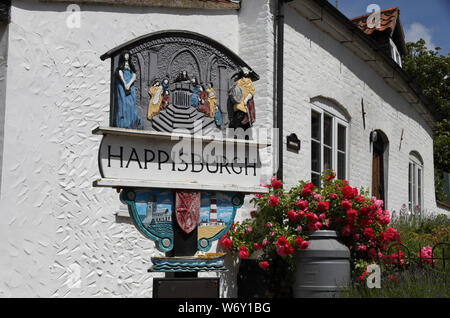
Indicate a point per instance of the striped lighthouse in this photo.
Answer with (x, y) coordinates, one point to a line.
(213, 212)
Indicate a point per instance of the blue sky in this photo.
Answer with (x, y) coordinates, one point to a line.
(420, 19)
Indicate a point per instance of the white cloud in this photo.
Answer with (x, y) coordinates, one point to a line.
(417, 31)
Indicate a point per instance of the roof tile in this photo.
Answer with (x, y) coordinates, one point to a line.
(387, 22)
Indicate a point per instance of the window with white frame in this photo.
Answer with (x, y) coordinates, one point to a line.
(415, 182)
(329, 144)
(395, 54)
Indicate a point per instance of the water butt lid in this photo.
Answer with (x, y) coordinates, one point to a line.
(321, 234)
(324, 244)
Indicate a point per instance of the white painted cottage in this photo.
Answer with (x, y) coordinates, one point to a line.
(337, 84)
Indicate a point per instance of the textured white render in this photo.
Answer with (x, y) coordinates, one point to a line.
(53, 223)
(59, 236)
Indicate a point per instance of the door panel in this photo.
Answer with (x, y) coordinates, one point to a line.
(378, 183)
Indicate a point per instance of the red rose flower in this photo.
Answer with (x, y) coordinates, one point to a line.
(292, 216)
(312, 226)
(283, 247)
(304, 245)
(348, 192)
(243, 253)
(298, 241)
(365, 221)
(306, 192)
(364, 210)
(301, 244)
(333, 196)
(309, 185)
(300, 215)
(263, 264)
(273, 201)
(312, 217)
(346, 204)
(323, 206)
(257, 246)
(359, 199)
(351, 216)
(368, 232)
(276, 184)
(282, 240)
(302, 204)
(225, 241)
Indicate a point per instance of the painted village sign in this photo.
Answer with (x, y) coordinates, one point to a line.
(175, 98)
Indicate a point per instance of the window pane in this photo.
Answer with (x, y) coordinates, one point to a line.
(414, 185)
(315, 156)
(327, 158)
(315, 179)
(419, 187)
(341, 138)
(410, 189)
(327, 130)
(341, 166)
(315, 126)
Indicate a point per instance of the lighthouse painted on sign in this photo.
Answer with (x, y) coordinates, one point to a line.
(216, 212)
(213, 212)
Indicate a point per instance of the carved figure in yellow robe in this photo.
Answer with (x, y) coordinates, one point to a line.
(155, 92)
(211, 99)
(242, 94)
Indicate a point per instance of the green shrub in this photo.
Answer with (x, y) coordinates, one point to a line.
(415, 282)
(418, 230)
(415, 278)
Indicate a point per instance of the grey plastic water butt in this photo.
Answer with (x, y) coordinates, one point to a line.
(322, 268)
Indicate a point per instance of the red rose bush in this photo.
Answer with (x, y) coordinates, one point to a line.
(278, 224)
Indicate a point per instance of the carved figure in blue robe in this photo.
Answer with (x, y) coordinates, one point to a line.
(218, 118)
(194, 96)
(126, 112)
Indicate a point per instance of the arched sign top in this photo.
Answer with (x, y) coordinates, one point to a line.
(169, 80)
(161, 35)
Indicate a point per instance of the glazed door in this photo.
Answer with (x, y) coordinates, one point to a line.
(378, 170)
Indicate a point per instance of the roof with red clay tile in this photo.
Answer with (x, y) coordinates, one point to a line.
(388, 21)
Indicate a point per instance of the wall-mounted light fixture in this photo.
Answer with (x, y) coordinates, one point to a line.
(373, 136)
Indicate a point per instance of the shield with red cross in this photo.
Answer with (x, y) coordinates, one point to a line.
(187, 209)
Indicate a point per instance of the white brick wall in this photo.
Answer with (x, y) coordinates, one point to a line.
(318, 65)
